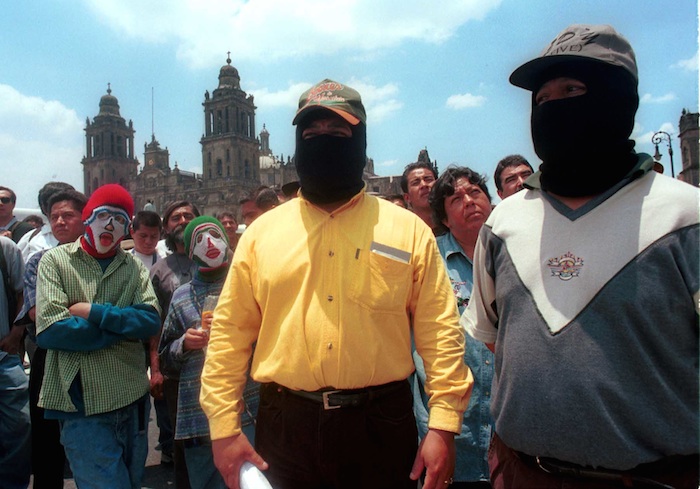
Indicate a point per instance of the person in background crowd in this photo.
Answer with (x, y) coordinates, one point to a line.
(257, 203)
(461, 201)
(167, 275)
(42, 239)
(48, 456)
(35, 221)
(334, 356)
(290, 189)
(586, 284)
(396, 199)
(511, 172)
(10, 226)
(185, 336)
(416, 182)
(145, 232)
(15, 427)
(95, 304)
(230, 223)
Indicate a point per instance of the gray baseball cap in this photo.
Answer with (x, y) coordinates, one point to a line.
(598, 43)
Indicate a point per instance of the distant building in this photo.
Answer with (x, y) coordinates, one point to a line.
(689, 136)
(234, 160)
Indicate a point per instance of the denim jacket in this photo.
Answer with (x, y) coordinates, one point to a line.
(477, 426)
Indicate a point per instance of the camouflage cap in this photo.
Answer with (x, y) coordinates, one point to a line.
(333, 96)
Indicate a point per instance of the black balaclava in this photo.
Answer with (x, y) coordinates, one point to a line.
(330, 167)
(583, 141)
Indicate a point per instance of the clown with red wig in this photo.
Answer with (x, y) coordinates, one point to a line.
(95, 305)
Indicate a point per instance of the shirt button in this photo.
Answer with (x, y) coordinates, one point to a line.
(330, 298)
(488, 362)
(330, 253)
(330, 346)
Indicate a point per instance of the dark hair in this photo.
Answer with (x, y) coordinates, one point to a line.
(221, 215)
(77, 199)
(147, 218)
(169, 240)
(444, 187)
(13, 196)
(508, 161)
(393, 197)
(34, 220)
(414, 166)
(176, 205)
(266, 198)
(47, 191)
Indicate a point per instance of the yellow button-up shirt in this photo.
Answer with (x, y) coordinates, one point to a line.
(332, 299)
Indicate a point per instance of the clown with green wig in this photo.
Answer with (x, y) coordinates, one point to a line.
(183, 345)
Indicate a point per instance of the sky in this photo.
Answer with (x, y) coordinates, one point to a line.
(432, 75)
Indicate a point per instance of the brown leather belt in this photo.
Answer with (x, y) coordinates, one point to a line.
(336, 399)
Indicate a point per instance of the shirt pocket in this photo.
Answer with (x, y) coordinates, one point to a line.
(380, 284)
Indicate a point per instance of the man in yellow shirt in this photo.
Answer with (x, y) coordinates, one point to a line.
(332, 287)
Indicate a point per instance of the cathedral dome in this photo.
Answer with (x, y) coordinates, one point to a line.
(228, 76)
(109, 105)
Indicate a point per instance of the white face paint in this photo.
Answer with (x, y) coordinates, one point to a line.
(210, 247)
(106, 227)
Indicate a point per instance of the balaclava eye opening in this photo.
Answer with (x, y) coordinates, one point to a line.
(330, 168)
(583, 141)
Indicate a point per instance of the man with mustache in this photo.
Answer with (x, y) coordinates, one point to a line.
(417, 180)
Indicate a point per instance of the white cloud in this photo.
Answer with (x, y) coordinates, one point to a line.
(288, 97)
(690, 64)
(648, 98)
(380, 101)
(387, 163)
(40, 141)
(274, 29)
(643, 137)
(465, 101)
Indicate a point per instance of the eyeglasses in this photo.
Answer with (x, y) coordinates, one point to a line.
(5, 200)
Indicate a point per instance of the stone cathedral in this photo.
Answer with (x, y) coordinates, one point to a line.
(235, 159)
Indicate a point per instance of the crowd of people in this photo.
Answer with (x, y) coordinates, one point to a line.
(430, 339)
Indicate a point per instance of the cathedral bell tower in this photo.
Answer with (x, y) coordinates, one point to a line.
(109, 147)
(230, 149)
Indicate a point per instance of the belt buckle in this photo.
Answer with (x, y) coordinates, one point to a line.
(327, 406)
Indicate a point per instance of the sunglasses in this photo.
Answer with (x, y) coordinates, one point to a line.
(5, 200)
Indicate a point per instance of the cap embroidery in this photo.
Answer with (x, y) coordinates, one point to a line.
(566, 266)
(556, 47)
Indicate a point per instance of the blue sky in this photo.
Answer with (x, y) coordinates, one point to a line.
(432, 74)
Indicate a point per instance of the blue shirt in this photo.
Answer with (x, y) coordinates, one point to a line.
(473, 442)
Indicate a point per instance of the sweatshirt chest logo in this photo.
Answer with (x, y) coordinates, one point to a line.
(566, 266)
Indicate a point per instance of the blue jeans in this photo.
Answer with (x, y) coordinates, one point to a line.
(200, 466)
(108, 449)
(15, 427)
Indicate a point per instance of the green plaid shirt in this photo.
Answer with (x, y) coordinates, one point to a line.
(112, 377)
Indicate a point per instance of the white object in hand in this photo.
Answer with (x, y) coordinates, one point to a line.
(252, 478)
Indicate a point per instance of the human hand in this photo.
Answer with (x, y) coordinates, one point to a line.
(11, 342)
(436, 454)
(195, 339)
(157, 384)
(229, 455)
(80, 309)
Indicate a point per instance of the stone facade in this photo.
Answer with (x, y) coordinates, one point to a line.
(689, 136)
(234, 161)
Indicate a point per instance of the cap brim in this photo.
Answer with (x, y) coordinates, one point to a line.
(529, 75)
(305, 111)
